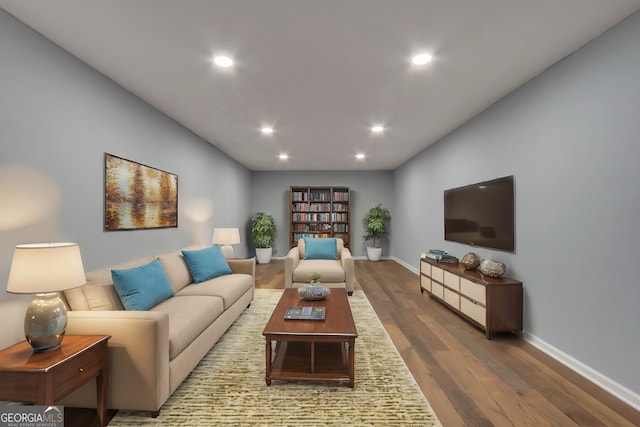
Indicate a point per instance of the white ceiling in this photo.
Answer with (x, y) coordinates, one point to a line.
(320, 71)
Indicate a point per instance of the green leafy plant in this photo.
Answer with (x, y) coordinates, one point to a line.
(375, 223)
(263, 229)
(315, 277)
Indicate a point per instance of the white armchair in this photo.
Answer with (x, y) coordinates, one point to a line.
(334, 273)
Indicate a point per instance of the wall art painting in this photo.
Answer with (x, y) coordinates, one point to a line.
(138, 196)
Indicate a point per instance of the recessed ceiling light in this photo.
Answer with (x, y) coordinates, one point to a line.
(360, 156)
(377, 129)
(266, 130)
(283, 156)
(421, 59)
(223, 61)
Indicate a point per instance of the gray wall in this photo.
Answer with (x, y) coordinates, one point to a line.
(570, 137)
(270, 193)
(57, 119)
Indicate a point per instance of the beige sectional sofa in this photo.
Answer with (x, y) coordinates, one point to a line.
(151, 352)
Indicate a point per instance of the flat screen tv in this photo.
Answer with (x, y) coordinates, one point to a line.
(481, 214)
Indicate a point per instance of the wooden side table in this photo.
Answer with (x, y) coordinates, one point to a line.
(44, 378)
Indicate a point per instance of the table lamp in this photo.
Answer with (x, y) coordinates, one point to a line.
(45, 269)
(226, 237)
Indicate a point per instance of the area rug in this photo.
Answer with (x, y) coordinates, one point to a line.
(228, 388)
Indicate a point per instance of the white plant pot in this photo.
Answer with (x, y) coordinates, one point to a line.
(264, 255)
(374, 253)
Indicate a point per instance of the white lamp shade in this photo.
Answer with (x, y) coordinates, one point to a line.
(226, 236)
(45, 267)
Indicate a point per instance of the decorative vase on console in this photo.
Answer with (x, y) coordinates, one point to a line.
(314, 291)
(492, 268)
(470, 261)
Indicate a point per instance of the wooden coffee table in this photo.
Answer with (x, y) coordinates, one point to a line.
(311, 350)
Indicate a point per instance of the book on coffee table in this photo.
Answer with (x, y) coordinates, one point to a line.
(305, 313)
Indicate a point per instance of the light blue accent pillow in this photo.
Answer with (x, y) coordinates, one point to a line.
(143, 287)
(205, 264)
(320, 249)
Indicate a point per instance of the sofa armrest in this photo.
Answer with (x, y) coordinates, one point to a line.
(138, 357)
(346, 259)
(244, 266)
(290, 263)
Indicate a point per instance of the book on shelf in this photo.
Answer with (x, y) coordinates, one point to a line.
(298, 236)
(299, 196)
(320, 196)
(340, 196)
(305, 313)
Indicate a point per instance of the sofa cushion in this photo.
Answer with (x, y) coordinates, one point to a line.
(142, 287)
(177, 270)
(324, 248)
(188, 317)
(230, 288)
(102, 298)
(76, 299)
(104, 275)
(332, 271)
(205, 264)
(105, 297)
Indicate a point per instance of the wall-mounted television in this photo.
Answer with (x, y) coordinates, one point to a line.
(481, 214)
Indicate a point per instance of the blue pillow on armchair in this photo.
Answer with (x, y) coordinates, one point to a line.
(322, 248)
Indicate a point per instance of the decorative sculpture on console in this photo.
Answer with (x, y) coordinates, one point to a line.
(470, 261)
(492, 268)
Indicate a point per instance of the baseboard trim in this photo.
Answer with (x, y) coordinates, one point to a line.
(364, 258)
(405, 265)
(359, 258)
(616, 389)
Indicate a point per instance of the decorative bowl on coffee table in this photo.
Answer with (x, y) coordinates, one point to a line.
(313, 292)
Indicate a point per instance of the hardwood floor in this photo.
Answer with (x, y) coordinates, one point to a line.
(467, 379)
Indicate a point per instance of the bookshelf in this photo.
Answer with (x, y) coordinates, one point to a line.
(319, 212)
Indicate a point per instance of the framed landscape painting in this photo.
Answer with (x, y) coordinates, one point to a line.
(138, 196)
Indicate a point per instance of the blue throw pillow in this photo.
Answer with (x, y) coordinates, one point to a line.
(320, 249)
(143, 287)
(205, 264)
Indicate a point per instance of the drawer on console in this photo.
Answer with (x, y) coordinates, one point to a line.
(425, 268)
(474, 310)
(473, 290)
(452, 298)
(437, 290)
(425, 283)
(437, 274)
(452, 281)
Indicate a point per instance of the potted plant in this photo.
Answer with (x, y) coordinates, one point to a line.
(375, 224)
(263, 228)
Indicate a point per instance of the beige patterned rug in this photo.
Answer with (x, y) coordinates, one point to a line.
(227, 388)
